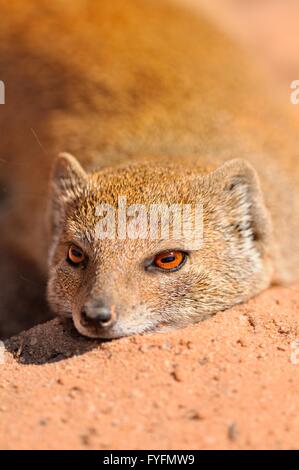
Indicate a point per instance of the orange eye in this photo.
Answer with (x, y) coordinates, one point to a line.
(170, 260)
(75, 255)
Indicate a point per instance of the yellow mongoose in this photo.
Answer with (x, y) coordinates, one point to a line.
(159, 107)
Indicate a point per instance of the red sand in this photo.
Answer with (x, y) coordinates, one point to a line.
(225, 383)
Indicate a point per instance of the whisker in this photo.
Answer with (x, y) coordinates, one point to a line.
(38, 140)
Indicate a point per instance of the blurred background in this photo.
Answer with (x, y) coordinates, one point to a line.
(270, 29)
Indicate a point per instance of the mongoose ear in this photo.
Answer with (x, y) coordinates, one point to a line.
(66, 183)
(240, 195)
(67, 173)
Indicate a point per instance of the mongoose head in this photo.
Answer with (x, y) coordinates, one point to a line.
(115, 283)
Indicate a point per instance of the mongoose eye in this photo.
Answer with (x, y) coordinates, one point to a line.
(170, 260)
(75, 255)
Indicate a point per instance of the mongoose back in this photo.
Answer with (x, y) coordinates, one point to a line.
(151, 103)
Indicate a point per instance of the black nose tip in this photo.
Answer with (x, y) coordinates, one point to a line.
(96, 314)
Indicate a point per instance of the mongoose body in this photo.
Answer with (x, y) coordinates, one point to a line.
(160, 107)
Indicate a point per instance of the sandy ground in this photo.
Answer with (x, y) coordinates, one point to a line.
(230, 382)
(226, 383)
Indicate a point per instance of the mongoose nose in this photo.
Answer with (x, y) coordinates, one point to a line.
(95, 313)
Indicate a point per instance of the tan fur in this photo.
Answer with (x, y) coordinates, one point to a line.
(158, 91)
